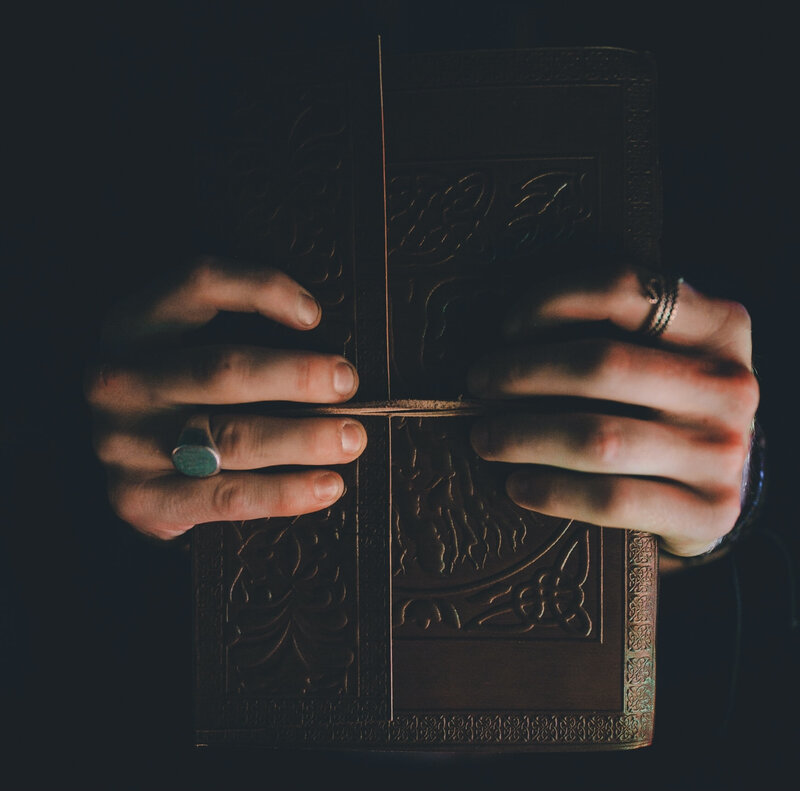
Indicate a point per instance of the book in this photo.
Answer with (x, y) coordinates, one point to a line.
(425, 610)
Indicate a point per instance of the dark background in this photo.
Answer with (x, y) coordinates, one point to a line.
(95, 675)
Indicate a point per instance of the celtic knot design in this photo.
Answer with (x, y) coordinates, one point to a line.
(439, 213)
(639, 670)
(554, 596)
(433, 217)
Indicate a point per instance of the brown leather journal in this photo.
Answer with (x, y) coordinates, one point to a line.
(425, 610)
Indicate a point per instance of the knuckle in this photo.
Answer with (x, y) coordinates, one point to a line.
(107, 446)
(730, 457)
(163, 533)
(313, 377)
(488, 438)
(100, 383)
(126, 502)
(230, 498)
(612, 499)
(737, 317)
(624, 279)
(315, 440)
(128, 499)
(749, 393)
(733, 330)
(531, 492)
(735, 387)
(232, 438)
(92, 384)
(555, 496)
(304, 375)
(203, 274)
(510, 371)
(726, 511)
(742, 392)
(273, 283)
(285, 496)
(600, 440)
(601, 360)
(220, 368)
(614, 358)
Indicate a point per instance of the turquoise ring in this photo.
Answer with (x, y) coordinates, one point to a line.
(196, 454)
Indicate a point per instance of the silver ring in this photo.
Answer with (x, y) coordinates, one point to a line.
(196, 454)
(661, 292)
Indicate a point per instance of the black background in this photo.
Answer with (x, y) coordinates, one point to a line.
(96, 650)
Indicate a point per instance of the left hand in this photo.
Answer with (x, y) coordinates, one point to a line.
(676, 471)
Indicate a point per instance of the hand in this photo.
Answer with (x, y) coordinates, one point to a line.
(673, 468)
(142, 396)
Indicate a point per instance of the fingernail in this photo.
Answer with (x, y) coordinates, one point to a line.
(328, 486)
(351, 438)
(308, 309)
(344, 378)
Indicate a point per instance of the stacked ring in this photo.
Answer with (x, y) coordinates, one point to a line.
(662, 293)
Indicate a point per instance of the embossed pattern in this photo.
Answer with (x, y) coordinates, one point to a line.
(466, 557)
(290, 608)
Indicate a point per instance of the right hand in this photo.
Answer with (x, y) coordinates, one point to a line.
(142, 395)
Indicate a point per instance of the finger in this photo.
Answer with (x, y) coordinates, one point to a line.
(610, 444)
(660, 379)
(200, 292)
(698, 321)
(222, 375)
(688, 521)
(169, 505)
(253, 442)
(247, 442)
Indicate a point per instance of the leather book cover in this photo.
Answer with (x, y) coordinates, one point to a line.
(425, 610)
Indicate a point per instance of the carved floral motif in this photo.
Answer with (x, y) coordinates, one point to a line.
(288, 607)
(437, 213)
